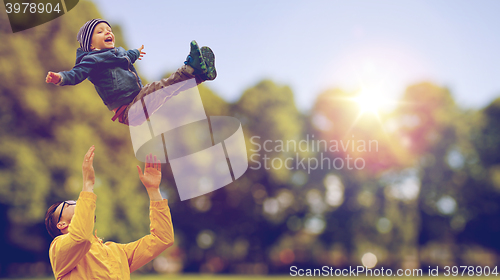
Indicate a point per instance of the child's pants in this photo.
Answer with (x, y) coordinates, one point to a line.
(134, 115)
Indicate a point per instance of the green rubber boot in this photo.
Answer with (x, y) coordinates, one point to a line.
(195, 60)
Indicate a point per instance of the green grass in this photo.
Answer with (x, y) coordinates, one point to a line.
(240, 277)
(181, 277)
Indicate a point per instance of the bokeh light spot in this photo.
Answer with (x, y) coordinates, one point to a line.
(369, 260)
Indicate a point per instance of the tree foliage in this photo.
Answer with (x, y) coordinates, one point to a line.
(427, 194)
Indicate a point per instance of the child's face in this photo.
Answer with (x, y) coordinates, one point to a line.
(102, 38)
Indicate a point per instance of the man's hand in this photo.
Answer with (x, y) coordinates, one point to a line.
(53, 78)
(88, 170)
(141, 52)
(151, 177)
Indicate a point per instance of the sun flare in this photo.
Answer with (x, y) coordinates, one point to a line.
(370, 100)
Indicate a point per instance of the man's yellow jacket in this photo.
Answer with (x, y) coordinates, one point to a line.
(81, 255)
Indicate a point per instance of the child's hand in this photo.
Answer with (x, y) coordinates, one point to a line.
(53, 78)
(141, 52)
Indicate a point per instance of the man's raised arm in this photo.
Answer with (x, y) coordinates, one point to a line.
(161, 234)
(68, 249)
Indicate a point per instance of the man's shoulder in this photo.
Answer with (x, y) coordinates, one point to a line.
(114, 246)
(111, 243)
(53, 245)
(54, 241)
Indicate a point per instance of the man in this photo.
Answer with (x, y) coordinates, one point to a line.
(75, 253)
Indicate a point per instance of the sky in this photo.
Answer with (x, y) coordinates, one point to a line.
(380, 46)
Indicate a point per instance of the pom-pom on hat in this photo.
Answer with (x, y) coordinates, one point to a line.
(84, 36)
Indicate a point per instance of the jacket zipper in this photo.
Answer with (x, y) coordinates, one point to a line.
(128, 67)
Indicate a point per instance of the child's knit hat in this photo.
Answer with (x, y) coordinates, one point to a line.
(84, 36)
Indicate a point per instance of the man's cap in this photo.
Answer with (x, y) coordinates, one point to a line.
(84, 36)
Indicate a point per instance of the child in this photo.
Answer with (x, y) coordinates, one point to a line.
(112, 72)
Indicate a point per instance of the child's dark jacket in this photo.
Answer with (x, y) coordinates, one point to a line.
(111, 71)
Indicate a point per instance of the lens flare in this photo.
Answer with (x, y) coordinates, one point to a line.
(371, 100)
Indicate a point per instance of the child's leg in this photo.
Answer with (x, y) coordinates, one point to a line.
(185, 72)
(170, 86)
(200, 65)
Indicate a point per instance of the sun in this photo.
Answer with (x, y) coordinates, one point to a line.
(371, 100)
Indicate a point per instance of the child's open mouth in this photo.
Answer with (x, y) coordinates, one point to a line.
(108, 40)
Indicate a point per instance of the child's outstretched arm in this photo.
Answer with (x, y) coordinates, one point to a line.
(136, 54)
(76, 75)
(52, 77)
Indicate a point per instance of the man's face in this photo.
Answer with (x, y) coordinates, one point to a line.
(103, 37)
(67, 212)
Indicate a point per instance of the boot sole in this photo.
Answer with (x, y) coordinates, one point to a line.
(209, 58)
